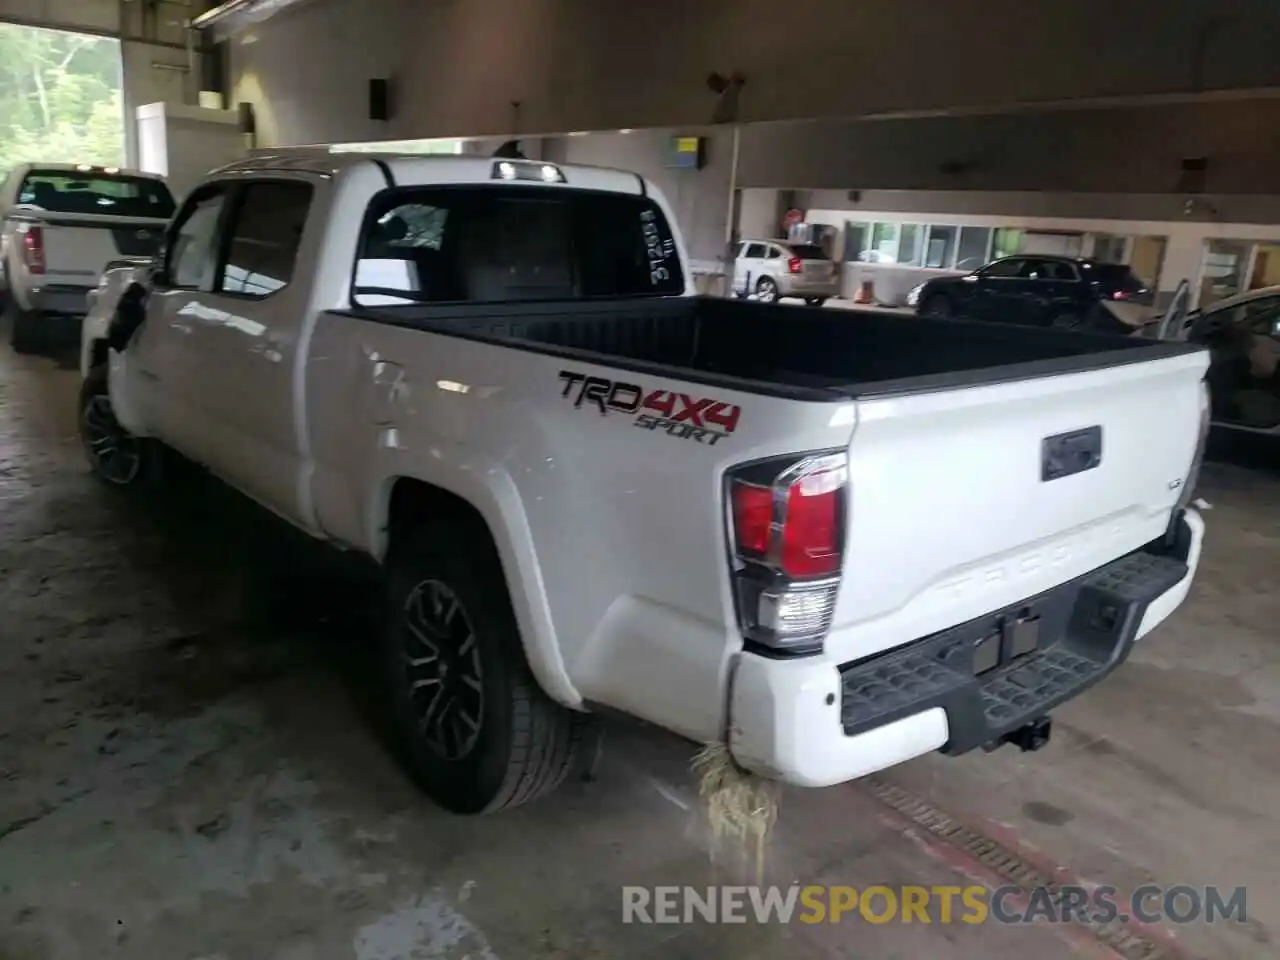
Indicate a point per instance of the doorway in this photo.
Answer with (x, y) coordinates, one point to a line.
(1266, 266)
(61, 97)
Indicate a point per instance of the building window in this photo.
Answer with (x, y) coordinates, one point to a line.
(855, 240)
(911, 245)
(974, 248)
(1266, 266)
(1007, 243)
(940, 246)
(1146, 258)
(1225, 262)
(1108, 248)
(884, 244)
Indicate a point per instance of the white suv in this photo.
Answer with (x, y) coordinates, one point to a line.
(772, 269)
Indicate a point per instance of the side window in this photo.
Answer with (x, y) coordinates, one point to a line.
(775, 253)
(755, 251)
(193, 247)
(265, 235)
(1263, 316)
(1047, 270)
(1004, 268)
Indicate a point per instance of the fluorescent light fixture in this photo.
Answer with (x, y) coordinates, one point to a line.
(229, 18)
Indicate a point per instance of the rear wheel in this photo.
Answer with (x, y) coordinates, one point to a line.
(26, 331)
(938, 307)
(478, 733)
(815, 301)
(767, 290)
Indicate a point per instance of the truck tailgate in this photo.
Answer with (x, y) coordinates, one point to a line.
(967, 501)
(77, 247)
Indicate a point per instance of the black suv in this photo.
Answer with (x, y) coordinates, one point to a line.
(1036, 290)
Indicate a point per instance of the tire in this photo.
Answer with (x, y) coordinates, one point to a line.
(479, 735)
(26, 331)
(115, 456)
(815, 301)
(766, 290)
(938, 307)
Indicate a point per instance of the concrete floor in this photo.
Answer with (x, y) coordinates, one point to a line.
(190, 765)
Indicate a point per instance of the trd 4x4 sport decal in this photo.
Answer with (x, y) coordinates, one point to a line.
(703, 419)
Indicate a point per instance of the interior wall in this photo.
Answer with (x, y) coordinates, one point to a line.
(307, 71)
(586, 65)
(1129, 150)
(1210, 208)
(152, 74)
(760, 215)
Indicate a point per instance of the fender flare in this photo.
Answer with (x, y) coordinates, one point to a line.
(498, 503)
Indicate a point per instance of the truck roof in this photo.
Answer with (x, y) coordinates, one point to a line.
(417, 168)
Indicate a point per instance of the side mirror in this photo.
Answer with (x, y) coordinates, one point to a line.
(131, 311)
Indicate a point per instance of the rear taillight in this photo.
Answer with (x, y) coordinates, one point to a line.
(33, 248)
(787, 539)
(795, 265)
(1119, 294)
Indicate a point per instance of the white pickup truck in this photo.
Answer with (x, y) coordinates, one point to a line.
(60, 224)
(832, 541)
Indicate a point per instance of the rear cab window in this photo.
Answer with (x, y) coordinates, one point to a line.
(499, 243)
(96, 192)
(808, 251)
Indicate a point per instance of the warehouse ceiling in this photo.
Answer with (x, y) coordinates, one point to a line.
(224, 20)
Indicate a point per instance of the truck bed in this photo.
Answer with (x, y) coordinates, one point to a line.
(793, 351)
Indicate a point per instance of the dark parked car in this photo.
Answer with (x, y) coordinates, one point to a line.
(1243, 336)
(1042, 291)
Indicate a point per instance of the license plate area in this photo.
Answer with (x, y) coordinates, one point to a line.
(1015, 636)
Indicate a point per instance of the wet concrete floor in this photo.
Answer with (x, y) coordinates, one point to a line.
(191, 764)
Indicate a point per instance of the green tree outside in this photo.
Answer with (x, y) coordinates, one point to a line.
(60, 98)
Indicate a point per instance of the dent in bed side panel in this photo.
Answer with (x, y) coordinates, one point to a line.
(612, 533)
(362, 445)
